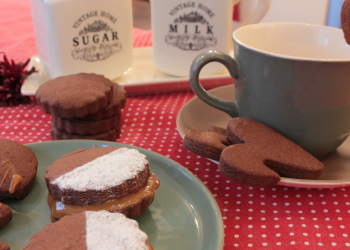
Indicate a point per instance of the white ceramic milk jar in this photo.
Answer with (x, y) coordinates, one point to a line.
(74, 36)
(183, 29)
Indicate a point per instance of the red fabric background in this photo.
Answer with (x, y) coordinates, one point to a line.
(255, 218)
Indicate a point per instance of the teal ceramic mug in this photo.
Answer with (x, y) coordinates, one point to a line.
(292, 77)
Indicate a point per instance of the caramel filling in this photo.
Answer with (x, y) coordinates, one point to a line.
(16, 179)
(59, 209)
(3, 178)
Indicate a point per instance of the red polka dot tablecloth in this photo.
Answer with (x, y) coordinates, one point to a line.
(273, 217)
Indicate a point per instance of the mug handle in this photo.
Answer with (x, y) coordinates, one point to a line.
(198, 63)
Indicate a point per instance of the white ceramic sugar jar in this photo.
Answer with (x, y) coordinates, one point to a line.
(74, 36)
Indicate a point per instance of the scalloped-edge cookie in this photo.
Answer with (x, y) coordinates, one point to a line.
(345, 20)
(91, 230)
(75, 95)
(60, 134)
(87, 127)
(18, 168)
(116, 179)
(5, 215)
(113, 108)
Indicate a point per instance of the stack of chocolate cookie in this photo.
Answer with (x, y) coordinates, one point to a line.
(83, 106)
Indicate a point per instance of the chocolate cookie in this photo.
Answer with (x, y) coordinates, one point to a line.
(90, 230)
(18, 167)
(113, 108)
(111, 178)
(5, 215)
(260, 155)
(87, 127)
(4, 246)
(345, 20)
(205, 143)
(60, 134)
(221, 131)
(75, 95)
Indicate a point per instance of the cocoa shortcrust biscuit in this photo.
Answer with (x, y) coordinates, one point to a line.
(87, 127)
(113, 108)
(4, 246)
(91, 230)
(60, 134)
(75, 95)
(5, 215)
(345, 20)
(205, 143)
(260, 155)
(18, 167)
(100, 178)
(219, 130)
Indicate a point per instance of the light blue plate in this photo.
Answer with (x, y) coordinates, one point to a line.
(184, 214)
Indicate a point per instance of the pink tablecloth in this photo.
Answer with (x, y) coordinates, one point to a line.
(255, 218)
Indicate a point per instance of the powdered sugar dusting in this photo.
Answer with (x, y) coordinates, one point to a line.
(106, 171)
(105, 230)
